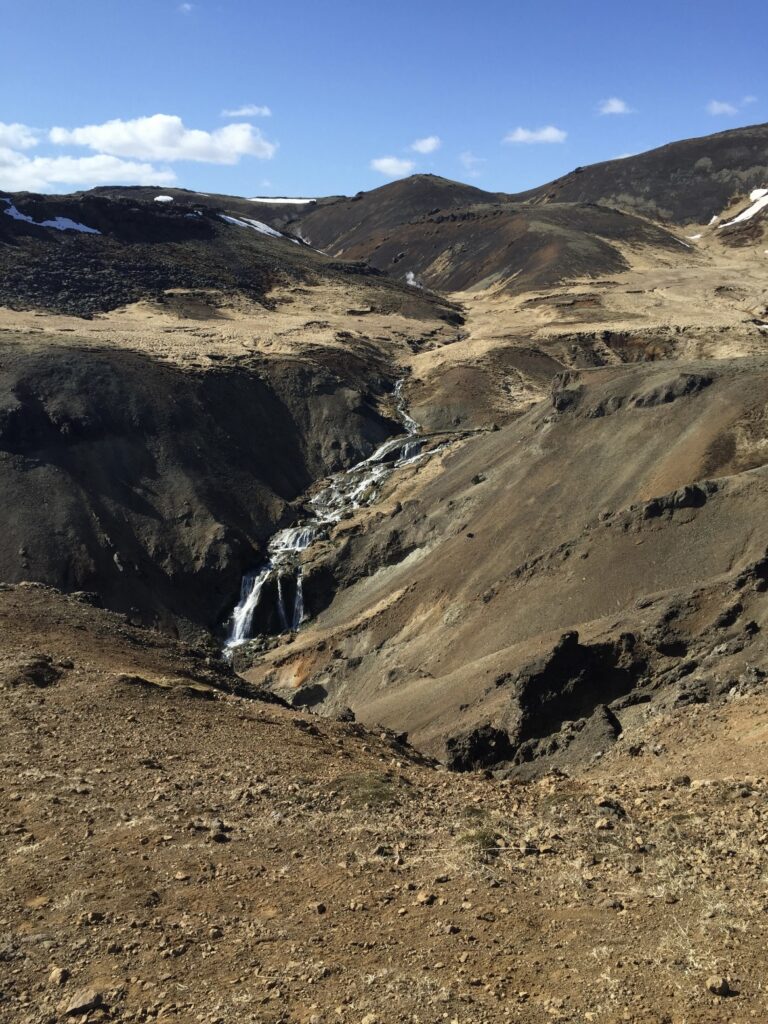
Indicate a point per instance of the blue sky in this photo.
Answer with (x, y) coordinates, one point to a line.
(504, 94)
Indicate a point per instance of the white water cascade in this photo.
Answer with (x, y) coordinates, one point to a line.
(346, 491)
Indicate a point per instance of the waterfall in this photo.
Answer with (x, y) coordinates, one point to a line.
(298, 603)
(411, 451)
(410, 424)
(346, 491)
(281, 604)
(250, 594)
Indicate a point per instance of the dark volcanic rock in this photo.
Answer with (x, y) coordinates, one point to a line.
(139, 249)
(476, 237)
(38, 671)
(157, 486)
(572, 680)
(557, 702)
(479, 748)
(684, 182)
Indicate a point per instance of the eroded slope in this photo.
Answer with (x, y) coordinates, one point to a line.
(628, 503)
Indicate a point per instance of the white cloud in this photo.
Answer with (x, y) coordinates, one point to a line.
(746, 100)
(717, 107)
(527, 135)
(248, 110)
(392, 166)
(185, 8)
(471, 163)
(164, 137)
(427, 145)
(17, 136)
(21, 173)
(615, 106)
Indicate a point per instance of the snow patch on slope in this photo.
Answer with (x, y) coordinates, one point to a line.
(58, 223)
(280, 201)
(759, 200)
(257, 225)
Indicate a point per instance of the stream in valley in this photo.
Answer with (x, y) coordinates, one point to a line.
(343, 493)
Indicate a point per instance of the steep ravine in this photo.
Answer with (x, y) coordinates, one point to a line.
(623, 509)
(272, 597)
(155, 486)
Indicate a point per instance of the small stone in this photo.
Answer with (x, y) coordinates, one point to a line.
(181, 876)
(84, 1001)
(425, 899)
(603, 824)
(719, 986)
(611, 903)
(318, 908)
(215, 932)
(58, 976)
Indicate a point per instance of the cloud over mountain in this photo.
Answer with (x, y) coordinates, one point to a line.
(165, 137)
(428, 145)
(392, 166)
(22, 173)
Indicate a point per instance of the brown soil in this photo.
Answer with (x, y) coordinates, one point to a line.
(212, 860)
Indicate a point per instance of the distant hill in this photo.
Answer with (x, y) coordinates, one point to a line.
(444, 234)
(95, 251)
(681, 183)
(277, 214)
(341, 225)
(453, 237)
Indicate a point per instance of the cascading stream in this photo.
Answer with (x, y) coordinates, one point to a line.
(346, 491)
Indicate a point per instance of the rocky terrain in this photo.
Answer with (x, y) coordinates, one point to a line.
(685, 182)
(506, 757)
(176, 850)
(165, 443)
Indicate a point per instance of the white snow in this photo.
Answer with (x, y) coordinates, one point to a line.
(281, 201)
(58, 223)
(265, 229)
(693, 238)
(65, 224)
(233, 220)
(163, 199)
(246, 222)
(257, 225)
(757, 205)
(714, 220)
